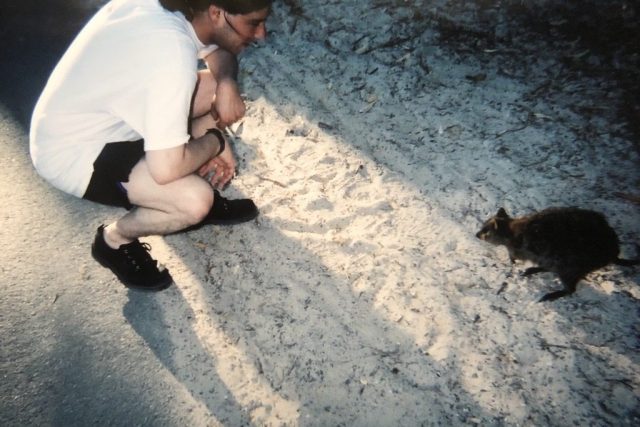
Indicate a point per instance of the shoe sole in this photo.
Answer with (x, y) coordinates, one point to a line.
(222, 222)
(234, 221)
(159, 287)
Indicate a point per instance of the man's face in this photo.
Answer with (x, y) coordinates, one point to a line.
(239, 31)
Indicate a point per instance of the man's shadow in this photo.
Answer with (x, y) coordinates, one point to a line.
(315, 342)
(179, 349)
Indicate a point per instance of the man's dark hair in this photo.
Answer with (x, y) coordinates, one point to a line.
(234, 7)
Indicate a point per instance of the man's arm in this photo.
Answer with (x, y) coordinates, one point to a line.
(227, 106)
(174, 163)
(223, 65)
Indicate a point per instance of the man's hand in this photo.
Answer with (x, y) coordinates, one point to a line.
(228, 106)
(221, 168)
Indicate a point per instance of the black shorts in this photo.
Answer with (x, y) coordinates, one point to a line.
(110, 170)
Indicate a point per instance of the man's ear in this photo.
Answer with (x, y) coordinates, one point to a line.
(502, 214)
(215, 13)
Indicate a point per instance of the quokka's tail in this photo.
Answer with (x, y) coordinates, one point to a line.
(626, 262)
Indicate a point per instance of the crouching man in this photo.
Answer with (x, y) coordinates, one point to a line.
(127, 119)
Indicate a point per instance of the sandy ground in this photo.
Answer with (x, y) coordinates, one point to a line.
(379, 135)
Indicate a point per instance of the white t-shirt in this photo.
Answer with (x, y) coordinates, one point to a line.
(129, 74)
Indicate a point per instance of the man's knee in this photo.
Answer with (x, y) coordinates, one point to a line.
(195, 202)
(205, 90)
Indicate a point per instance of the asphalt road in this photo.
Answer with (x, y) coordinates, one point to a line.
(76, 348)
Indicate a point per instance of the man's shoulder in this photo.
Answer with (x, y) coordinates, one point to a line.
(150, 32)
(145, 18)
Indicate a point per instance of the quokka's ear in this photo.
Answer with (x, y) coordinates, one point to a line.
(502, 214)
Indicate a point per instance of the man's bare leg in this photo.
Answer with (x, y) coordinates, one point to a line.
(160, 209)
(164, 209)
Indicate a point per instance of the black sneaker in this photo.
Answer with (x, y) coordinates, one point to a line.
(228, 212)
(131, 263)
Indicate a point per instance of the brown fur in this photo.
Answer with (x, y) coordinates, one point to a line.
(570, 242)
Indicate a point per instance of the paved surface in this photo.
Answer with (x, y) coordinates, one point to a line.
(58, 366)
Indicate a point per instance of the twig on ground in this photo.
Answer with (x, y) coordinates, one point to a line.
(633, 198)
(543, 160)
(518, 129)
(278, 183)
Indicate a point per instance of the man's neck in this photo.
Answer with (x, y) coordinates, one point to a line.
(202, 27)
